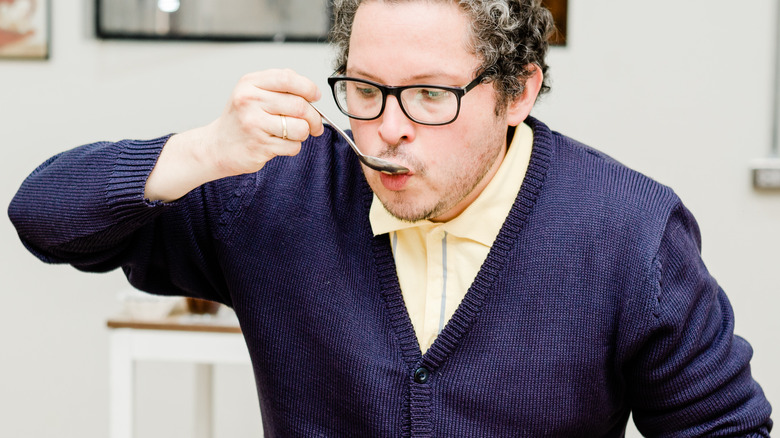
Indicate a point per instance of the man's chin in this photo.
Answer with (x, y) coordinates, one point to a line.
(408, 212)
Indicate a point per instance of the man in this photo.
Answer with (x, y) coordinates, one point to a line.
(513, 283)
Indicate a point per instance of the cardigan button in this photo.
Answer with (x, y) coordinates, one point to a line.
(421, 375)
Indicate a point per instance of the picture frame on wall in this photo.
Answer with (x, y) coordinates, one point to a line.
(238, 20)
(24, 29)
(560, 11)
(214, 20)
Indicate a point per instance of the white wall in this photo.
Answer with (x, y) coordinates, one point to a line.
(679, 90)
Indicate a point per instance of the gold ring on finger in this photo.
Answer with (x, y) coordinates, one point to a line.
(284, 127)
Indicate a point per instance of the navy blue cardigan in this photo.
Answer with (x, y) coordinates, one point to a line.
(593, 302)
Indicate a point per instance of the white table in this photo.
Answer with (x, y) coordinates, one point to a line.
(202, 341)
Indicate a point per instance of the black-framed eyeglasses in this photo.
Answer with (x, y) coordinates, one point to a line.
(362, 99)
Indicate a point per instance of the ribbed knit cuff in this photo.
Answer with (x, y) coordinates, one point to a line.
(127, 182)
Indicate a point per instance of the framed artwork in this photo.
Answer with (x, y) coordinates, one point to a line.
(225, 20)
(559, 11)
(24, 29)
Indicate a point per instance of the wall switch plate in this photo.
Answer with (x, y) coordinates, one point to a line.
(766, 173)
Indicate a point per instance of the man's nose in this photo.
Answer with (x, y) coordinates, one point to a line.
(395, 127)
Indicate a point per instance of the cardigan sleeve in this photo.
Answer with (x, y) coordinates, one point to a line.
(86, 207)
(691, 375)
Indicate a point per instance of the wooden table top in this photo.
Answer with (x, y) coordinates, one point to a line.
(182, 322)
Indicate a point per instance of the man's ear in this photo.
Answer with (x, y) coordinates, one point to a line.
(519, 109)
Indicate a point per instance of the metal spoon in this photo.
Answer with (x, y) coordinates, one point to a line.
(372, 162)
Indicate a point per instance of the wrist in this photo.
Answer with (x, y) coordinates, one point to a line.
(181, 167)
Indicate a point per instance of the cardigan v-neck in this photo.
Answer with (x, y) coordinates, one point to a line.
(437, 262)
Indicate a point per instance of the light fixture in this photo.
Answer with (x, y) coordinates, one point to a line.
(168, 6)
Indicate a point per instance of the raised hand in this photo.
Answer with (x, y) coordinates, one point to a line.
(268, 115)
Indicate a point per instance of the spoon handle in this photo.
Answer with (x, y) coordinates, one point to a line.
(339, 130)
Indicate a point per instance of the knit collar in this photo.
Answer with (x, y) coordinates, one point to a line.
(470, 308)
(482, 220)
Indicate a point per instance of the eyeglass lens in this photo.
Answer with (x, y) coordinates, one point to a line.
(423, 104)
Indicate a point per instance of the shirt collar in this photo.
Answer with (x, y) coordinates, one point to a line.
(482, 220)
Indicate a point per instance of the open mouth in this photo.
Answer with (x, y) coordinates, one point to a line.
(394, 182)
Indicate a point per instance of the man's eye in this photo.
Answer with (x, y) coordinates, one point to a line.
(367, 91)
(432, 93)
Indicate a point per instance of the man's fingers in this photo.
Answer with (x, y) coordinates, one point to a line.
(285, 81)
(284, 92)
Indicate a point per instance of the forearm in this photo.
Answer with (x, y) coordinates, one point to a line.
(86, 207)
(94, 190)
(693, 376)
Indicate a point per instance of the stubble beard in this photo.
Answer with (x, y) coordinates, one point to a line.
(462, 182)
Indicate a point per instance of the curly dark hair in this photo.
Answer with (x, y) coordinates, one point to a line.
(507, 35)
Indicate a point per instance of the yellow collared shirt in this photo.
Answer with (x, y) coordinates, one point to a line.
(437, 262)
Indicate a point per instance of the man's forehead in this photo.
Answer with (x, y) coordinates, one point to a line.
(426, 38)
